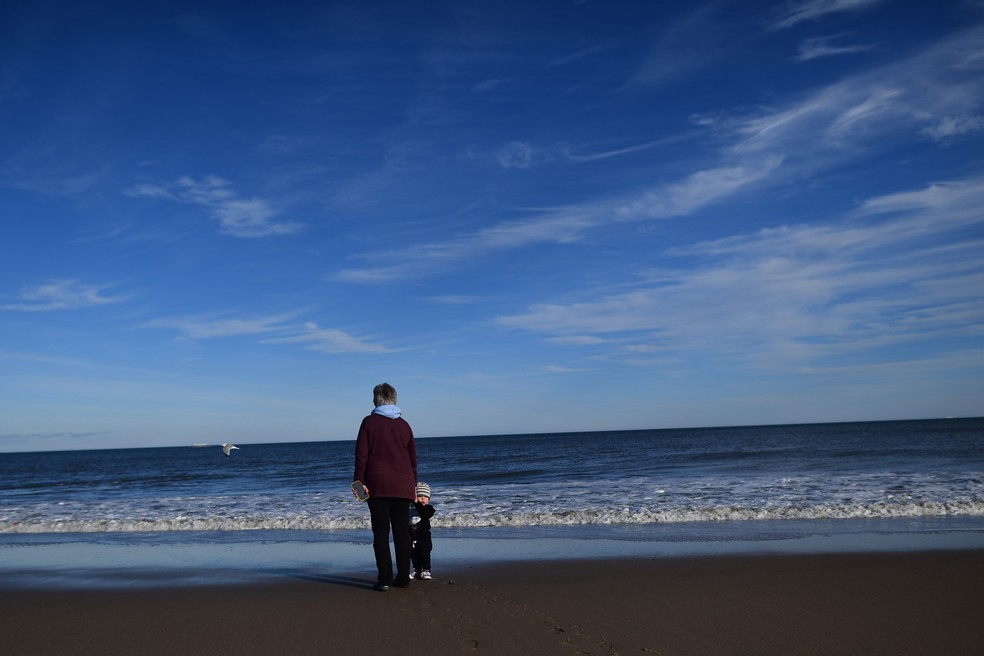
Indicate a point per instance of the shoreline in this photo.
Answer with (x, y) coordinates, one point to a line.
(922, 602)
(108, 560)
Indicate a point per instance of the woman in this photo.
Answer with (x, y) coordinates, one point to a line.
(386, 464)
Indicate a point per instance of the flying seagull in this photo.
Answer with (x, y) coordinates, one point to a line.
(227, 449)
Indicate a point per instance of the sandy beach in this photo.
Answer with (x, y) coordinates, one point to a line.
(893, 603)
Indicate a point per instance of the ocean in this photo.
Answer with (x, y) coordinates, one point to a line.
(649, 489)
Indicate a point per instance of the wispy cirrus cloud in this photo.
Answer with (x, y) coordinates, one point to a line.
(797, 11)
(271, 329)
(580, 54)
(53, 178)
(521, 155)
(562, 225)
(825, 46)
(842, 119)
(515, 155)
(938, 201)
(577, 340)
(579, 158)
(69, 436)
(951, 127)
(236, 216)
(453, 299)
(889, 274)
(818, 130)
(821, 122)
(209, 328)
(62, 295)
(329, 340)
(691, 42)
(700, 189)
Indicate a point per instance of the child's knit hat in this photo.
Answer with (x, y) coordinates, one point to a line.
(423, 490)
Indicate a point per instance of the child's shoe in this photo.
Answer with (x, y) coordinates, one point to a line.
(425, 575)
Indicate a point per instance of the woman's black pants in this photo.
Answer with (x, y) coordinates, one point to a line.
(387, 513)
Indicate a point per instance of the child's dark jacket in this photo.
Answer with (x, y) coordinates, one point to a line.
(420, 515)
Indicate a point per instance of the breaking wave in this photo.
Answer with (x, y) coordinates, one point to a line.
(624, 516)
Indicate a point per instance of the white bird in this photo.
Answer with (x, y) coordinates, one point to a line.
(227, 449)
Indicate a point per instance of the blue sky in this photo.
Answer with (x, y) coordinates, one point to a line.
(228, 222)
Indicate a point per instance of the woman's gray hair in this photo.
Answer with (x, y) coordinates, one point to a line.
(384, 394)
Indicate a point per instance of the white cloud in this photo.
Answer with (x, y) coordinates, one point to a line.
(958, 198)
(515, 155)
(453, 299)
(891, 274)
(151, 190)
(200, 328)
(62, 295)
(329, 340)
(577, 340)
(553, 369)
(823, 46)
(558, 226)
(564, 225)
(693, 41)
(857, 113)
(238, 217)
(797, 11)
(812, 124)
(820, 130)
(278, 329)
(875, 106)
(616, 152)
(54, 178)
(487, 85)
(210, 190)
(250, 218)
(700, 189)
(580, 54)
(949, 127)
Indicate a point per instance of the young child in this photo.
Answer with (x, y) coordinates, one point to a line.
(420, 533)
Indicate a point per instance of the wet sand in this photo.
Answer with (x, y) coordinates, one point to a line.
(873, 604)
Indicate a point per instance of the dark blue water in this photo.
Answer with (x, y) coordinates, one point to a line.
(909, 469)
